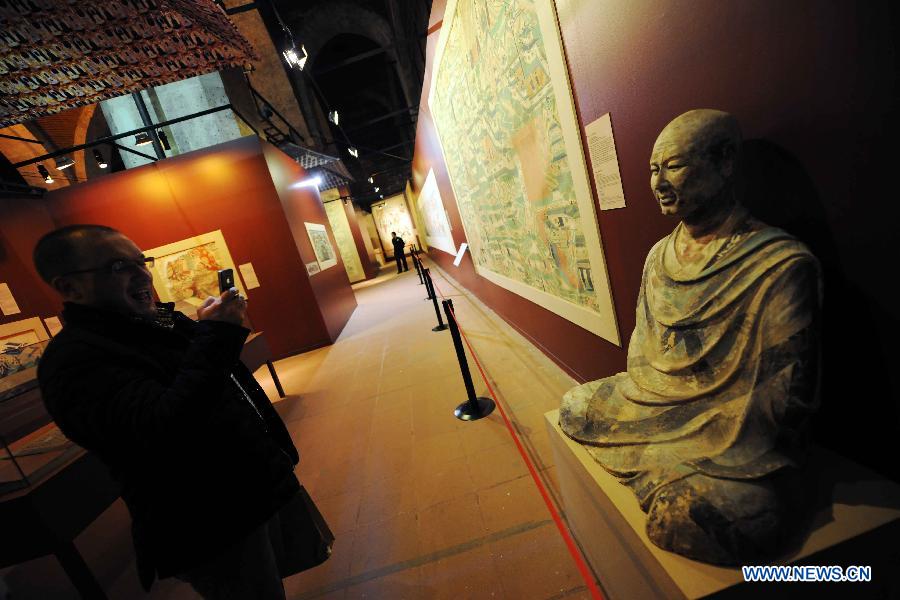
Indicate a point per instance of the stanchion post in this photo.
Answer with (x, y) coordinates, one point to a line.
(429, 285)
(475, 407)
(441, 325)
(418, 267)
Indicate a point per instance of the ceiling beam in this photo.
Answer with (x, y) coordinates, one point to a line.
(384, 117)
(364, 55)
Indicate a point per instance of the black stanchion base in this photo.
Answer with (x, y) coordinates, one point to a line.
(440, 327)
(467, 412)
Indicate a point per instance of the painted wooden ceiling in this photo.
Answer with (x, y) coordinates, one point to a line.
(60, 54)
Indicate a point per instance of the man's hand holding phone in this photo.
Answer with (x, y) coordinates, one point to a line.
(230, 307)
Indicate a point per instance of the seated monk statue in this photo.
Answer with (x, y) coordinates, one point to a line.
(708, 425)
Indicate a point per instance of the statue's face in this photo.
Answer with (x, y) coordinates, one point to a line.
(684, 180)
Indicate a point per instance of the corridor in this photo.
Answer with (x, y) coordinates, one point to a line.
(422, 505)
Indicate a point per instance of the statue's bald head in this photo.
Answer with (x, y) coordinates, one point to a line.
(693, 164)
(713, 134)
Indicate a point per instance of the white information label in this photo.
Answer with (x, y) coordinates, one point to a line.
(53, 325)
(249, 275)
(605, 160)
(459, 254)
(8, 304)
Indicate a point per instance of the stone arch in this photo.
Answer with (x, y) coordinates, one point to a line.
(317, 24)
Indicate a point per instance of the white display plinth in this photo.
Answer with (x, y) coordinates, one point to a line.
(610, 526)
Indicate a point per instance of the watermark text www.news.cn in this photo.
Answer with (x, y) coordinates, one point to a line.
(800, 573)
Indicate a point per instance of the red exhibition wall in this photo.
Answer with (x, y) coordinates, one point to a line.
(331, 286)
(813, 85)
(227, 187)
(22, 222)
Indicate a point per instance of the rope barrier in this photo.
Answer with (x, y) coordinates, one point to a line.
(580, 563)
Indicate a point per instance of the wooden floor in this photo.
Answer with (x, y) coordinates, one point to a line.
(423, 505)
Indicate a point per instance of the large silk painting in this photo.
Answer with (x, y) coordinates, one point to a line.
(390, 216)
(431, 207)
(343, 237)
(503, 109)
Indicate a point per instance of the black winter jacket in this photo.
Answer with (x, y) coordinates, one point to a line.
(200, 465)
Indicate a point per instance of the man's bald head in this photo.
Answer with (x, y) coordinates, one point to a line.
(67, 249)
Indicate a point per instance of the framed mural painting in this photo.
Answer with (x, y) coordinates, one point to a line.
(434, 217)
(318, 237)
(186, 272)
(343, 237)
(392, 215)
(506, 122)
(22, 344)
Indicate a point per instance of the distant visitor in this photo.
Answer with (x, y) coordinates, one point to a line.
(399, 252)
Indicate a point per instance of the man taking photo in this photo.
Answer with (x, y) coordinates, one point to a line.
(204, 461)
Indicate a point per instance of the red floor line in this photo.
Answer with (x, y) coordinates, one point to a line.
(563, 530)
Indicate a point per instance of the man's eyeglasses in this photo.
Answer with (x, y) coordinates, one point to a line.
(120, 266)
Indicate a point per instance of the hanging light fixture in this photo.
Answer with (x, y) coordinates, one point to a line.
(142, 139)
(101, 162)
(334, 117)
(163, 139)
(45, 174)
(296, 57)
(63, 162)
(353, 152)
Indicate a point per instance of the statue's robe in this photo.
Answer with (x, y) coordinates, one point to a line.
(722, 365)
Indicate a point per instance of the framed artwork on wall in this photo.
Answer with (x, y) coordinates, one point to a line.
(22, 344)
(318, 237)
(505, 117)
(391, 215)
(186, 272)
(340, 226)
(434, 217)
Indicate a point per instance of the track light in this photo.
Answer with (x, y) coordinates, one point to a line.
(63, 162)
(377, 188)
(45, 174)
(314, 181)
(353, 152)
(371, 180)
(163, 139)
(101, 162)
(334, 117)
(296, 57)
(142, 139)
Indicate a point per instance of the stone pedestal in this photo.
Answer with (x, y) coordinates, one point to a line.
(857, 515)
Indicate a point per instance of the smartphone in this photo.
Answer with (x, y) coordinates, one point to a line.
(226, 280)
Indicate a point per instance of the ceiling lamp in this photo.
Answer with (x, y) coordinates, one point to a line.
(377, 188)
(314, 181)
(142, 139)
(371, 180)
(353, 152)
(101, 162)
(45, 173)
(334, 117)
(296, 58)
(64, 162)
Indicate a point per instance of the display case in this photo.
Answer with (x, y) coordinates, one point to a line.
(31, 446)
